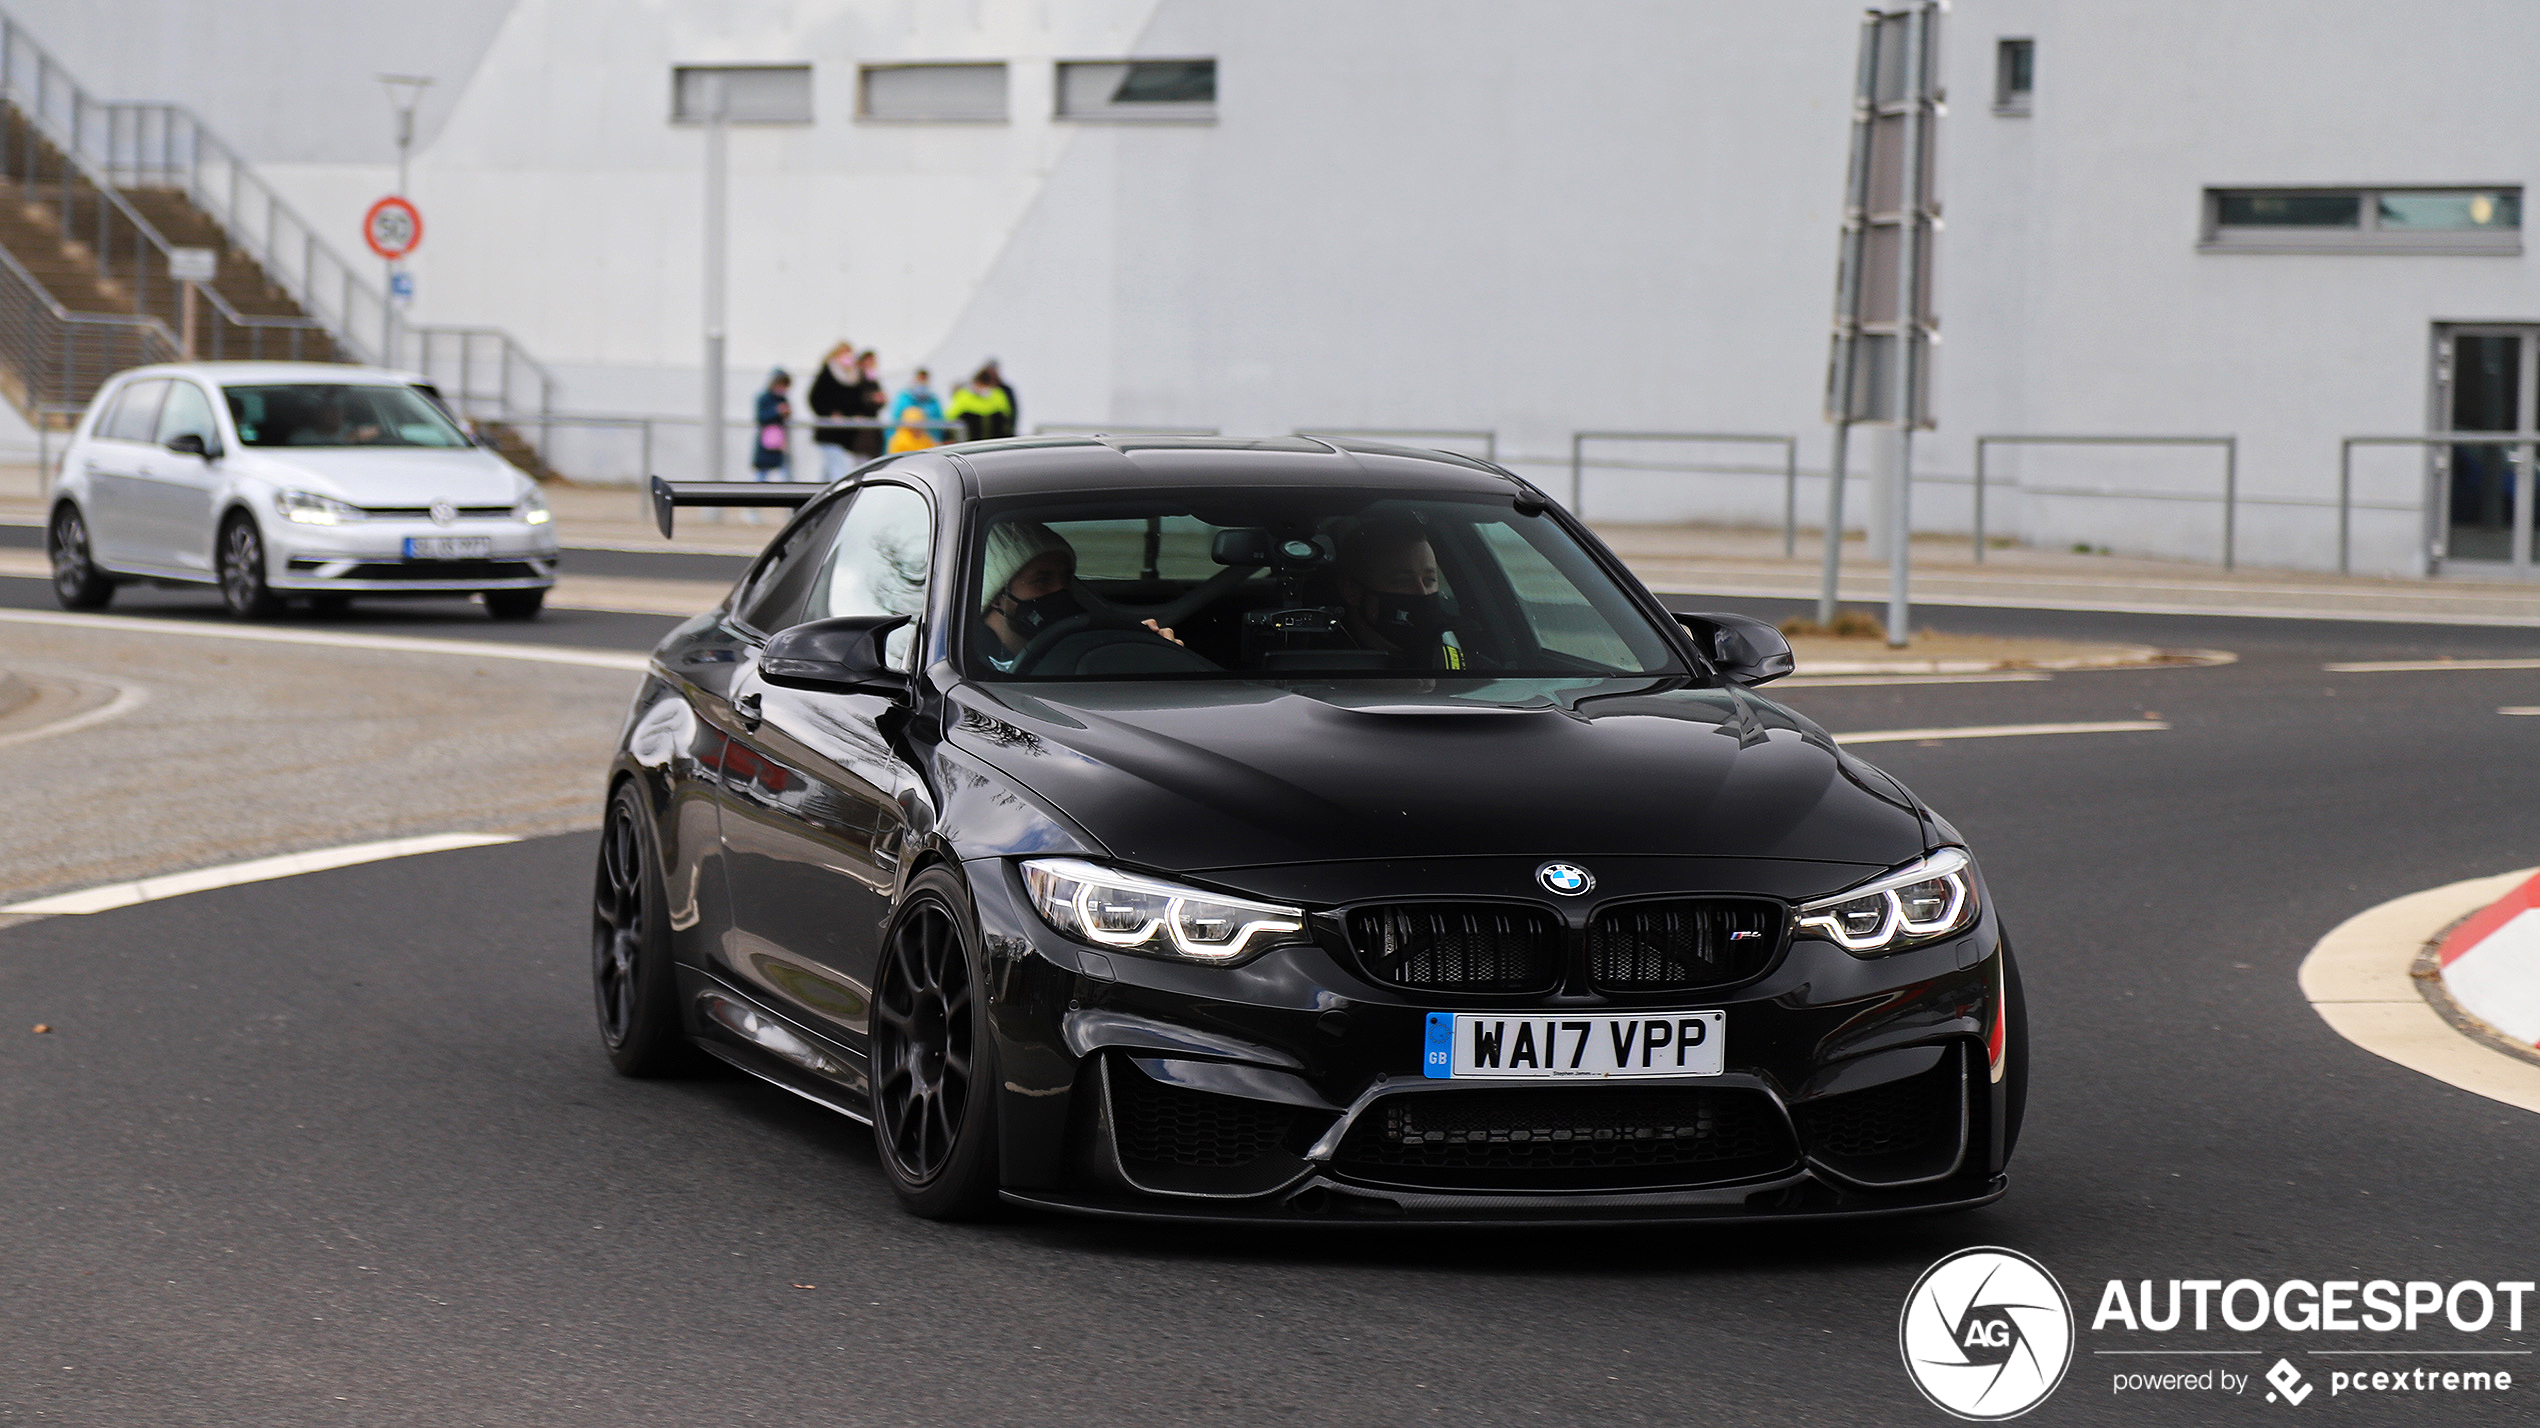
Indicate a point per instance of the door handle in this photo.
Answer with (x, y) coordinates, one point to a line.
(746, 709)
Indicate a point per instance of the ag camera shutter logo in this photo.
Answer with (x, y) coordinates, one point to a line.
(1986, 1334)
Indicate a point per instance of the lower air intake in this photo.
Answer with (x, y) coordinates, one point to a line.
(1587, 1138)
(1159, 1124)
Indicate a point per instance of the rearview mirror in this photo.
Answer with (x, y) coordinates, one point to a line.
(839, 656)
(190, 443)
(1745, 650)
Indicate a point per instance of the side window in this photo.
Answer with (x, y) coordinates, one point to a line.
(106, 413)
(774, 598)
(136, 417)
(878, 565)
(188, 411)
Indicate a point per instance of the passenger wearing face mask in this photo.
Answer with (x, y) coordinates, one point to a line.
(1030, 585)
(1388, 583)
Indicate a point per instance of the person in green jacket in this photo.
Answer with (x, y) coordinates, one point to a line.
(983, 407)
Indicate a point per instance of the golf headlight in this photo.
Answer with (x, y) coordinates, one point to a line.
(1930, 897)
(311, 509)
(533, 508)
(1111, 908)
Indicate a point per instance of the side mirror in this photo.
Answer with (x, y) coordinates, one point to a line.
(190, 443)
(1745, 650)
(840, 656)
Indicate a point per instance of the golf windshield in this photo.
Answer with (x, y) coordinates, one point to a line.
(1294, 582)
(339, 414)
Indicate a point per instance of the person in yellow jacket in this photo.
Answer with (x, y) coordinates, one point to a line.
(983, 408)
(911, 434)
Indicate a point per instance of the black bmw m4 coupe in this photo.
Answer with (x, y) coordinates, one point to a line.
(1282, 831)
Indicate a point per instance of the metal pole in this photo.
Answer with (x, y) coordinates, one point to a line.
(715, 197)
(2231, 501)
(1834, 524)
(1909, 319)
(1577, 438)
(1979, 500)
(2345, 504)
(1790, 497)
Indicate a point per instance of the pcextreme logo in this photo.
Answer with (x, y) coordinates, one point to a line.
(1986, 1334)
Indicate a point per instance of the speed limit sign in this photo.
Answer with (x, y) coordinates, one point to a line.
(392, 227)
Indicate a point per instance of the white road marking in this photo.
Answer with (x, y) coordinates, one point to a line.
(114, 895)
(1998, 731)
(128, 697)
(2357, 979)
(2417, 666)
(1839, 681)
(396, 644)
(2520, 709)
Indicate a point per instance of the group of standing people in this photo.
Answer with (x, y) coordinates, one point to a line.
(846, 389)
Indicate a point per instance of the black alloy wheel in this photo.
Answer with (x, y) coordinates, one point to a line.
(633, 986)
(77, 582)
(243, 587)
(934, 1104)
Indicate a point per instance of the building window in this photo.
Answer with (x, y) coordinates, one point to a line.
(2363, 220)
(1183, 89)
(745, 93)
(2014, 75)
(932, 93)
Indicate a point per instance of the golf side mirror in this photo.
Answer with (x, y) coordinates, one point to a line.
(840, 656)
(1745, 650)
(190, 443)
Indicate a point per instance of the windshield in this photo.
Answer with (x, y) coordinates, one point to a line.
(338, 414)
(1294, 582)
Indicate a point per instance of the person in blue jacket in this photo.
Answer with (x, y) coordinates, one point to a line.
(919, 395)
(771, 449)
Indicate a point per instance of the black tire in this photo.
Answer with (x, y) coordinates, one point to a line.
(77, 582)
(515, 604)
(243, 586)
(634, 988)
(934, 1063)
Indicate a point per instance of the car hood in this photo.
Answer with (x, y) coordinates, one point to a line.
(395, 476)
(1196, 776)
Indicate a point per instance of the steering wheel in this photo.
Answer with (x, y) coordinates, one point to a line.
(1041, 644)
(1171, 612)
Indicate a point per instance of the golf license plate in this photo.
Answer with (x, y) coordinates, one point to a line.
(449, 547)
(1531, 1046)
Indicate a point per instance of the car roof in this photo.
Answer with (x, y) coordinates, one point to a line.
(1048, 465)
(245, 373)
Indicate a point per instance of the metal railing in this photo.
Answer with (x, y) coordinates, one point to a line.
(484, 374)
(57, 356)
(647, 427)
(1488, 439)
(1789, 469)
(2347, 505)
(2230, 497)
(1063, 428)
(106, 145)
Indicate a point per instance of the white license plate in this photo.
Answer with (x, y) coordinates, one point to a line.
(1531, 1046)
(449, 547)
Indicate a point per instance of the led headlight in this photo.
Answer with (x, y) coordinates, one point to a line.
(311, 509)
(532, 508)
(1134, 913)
(1930, 897)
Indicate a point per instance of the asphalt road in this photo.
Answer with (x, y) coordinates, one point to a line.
(342, 1148)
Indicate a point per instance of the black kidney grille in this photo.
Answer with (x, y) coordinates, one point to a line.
(1158, 1124)
(1478, 948)
(1576, 1139)
(1692, 943)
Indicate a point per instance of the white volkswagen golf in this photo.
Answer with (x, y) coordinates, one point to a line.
(291, 480)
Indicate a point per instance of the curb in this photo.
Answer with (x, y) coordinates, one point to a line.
(2358, 979)
(2491, 964)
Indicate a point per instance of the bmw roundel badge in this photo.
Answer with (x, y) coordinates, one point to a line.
(1567, 879)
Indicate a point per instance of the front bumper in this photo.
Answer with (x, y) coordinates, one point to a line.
(1290, 1089)
(369, 557)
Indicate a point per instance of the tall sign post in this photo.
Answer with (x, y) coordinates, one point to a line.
(405, 91)
(191, 268)
(1879, 372)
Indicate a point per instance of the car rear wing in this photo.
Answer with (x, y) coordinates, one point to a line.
(669, 496)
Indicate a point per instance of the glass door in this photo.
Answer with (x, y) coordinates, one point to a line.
(2484, 381)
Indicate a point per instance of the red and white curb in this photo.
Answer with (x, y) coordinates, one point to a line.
(2491, 964)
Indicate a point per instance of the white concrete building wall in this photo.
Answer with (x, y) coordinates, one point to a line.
(1511, 215)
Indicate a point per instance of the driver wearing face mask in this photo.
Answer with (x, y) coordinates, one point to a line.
(1030, 585)
(1388, 582)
